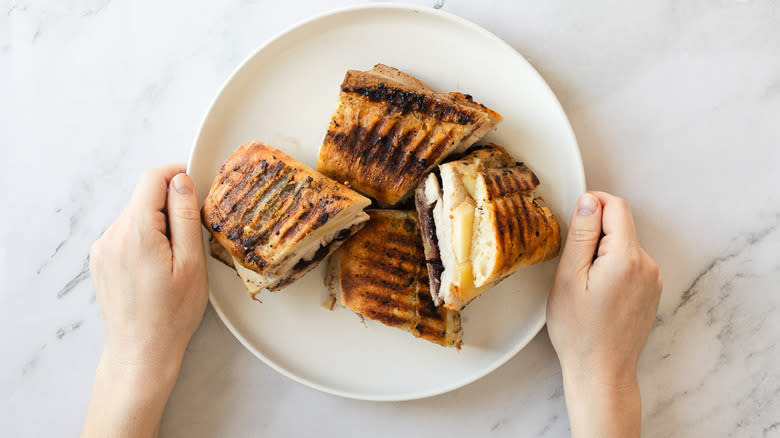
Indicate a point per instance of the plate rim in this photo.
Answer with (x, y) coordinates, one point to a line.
(438, 13)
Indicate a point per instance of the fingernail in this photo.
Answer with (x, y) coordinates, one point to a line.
(586, 205)
(182, 184)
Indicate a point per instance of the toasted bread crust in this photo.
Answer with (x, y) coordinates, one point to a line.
(468, 101)
(403, 98)
(486, 199)
(523, 231)
(380, 273)
(263, 202)
(506, 181)
(390, 129)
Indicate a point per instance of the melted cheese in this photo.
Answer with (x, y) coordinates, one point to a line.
(462, 229)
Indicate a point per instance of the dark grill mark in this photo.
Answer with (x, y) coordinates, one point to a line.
(429, 331)
(251, 257)
(393, 295)
(272, 185)
(368, 280)
(250, 242)
(398, 148)
(242, 181)
(234, 233)
(323, 218)
(286, 215)
(416, 160)
(379, 264)
(526, 222)
(507, 180)
(410, 101)
(400, 238)
(386, 300)
(386, 318)
(367, 140)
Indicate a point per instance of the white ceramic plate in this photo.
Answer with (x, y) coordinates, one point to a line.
(284, 95)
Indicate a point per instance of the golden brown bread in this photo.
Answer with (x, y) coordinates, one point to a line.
(480, 223)
(276, 217)
(380, 274)
(390, 129)
(512, 229)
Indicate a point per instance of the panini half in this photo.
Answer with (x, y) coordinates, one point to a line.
(380, 274)
(275, 217)
(390, 129)
(480, 223)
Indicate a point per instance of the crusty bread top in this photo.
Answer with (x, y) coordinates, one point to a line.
(512, 228)
(263, 202)
(405, 93)
(390, 129)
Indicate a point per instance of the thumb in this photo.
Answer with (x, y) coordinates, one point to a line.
(184, 221)
(583, 236)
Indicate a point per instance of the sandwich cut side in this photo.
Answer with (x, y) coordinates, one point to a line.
(480, 223)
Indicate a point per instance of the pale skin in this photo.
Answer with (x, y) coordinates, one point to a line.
(149, 274)
(599, 315)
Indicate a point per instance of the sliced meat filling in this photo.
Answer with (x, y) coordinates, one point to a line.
(428, 195)
(323, 251)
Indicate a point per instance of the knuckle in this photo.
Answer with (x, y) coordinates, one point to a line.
(584, 234)
(652, 268)
(649, 265)
(621, 203)
(159, 221)
(187, 213)
(633, 260)
(126, 232)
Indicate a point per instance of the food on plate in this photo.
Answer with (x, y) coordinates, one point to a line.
(275, 217)
(380, 274)
(390, 129)
(480, 223)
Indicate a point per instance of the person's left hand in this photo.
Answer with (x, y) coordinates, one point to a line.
(149, 271)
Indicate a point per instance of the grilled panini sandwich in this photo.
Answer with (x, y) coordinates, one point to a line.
(275, 217)
(380, 273)
(480, 223)
(390, 129)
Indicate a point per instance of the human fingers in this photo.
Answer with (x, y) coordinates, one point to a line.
(617, 220)
(184, 221)
(151, 191)
(583, 235)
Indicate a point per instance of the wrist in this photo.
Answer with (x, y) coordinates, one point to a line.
(141, 367)
(602, 403)
(129, 395)
(138, 382)
(599, 376)
(143, 352)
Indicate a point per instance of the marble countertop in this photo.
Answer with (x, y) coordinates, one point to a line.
(676, 106)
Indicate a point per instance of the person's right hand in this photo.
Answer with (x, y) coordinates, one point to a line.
(599, 315)
(149, 270)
